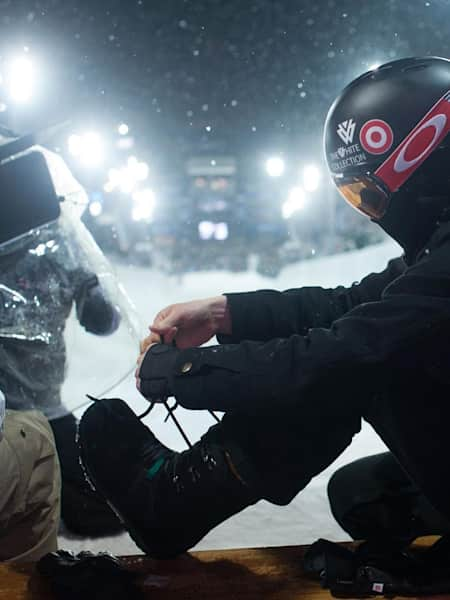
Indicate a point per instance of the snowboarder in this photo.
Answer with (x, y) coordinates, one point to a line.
(296, 371)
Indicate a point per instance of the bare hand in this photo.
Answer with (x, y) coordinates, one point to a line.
(190, 323)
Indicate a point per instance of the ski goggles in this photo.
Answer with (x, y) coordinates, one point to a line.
(367, 193)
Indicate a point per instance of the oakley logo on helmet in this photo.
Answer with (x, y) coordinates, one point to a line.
(346, 131)
(376, 136)
(417, 145)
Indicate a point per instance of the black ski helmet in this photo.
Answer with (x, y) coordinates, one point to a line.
(388, 149)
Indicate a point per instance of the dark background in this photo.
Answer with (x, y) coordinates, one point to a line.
(261, 74)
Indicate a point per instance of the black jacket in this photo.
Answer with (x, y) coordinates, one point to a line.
(380, 347)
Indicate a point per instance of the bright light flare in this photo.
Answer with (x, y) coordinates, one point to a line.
(20, 80)
(275, 166)
(88, 148)
(123, 129)
(95, 208)
(221, 231)
(311, 178)
(207, 230)
(128, 177)
(295, 202)
(144, 205)
(138, 170)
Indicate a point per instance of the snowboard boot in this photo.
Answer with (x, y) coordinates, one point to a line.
(83, 511)
(167, 500)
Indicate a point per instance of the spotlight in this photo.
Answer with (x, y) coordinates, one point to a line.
(221, 232)
(123, 129)
(138, 170)
(206, 230)
(20, 80)
(95, 208)
(275, 166)
(127, 178)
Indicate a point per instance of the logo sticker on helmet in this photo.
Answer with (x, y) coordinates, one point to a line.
(346, 131)
(376, 136)
(417, 145)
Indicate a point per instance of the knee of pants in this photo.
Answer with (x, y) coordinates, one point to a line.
(29, 487)
(373, 497)
(342, 494)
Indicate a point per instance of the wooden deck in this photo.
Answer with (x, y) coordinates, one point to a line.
(247, 574)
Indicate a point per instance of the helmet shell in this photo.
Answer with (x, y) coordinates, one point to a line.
(376, 112)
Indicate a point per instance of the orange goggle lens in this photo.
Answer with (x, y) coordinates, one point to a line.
(365, 195)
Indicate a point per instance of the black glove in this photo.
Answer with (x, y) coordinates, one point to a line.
(155, 374)
(94, 312)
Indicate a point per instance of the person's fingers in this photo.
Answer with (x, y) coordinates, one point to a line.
(143, 344)
(164, 316)
(141, 356)
(168, 333)
(154, 338)
(160, 328)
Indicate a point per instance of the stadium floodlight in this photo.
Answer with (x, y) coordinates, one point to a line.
(88, 148)
(295, 202)
(137, 170)
(275, 166)
(311, 178)
(95, 208)
(20, 79)
(206, 230)
(221, 232)
(127, 177)
(144, 205)
(123, 129)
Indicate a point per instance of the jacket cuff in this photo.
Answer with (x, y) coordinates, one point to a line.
(245, 318)
(214, 378)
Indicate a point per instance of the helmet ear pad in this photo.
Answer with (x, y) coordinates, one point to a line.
(417, 208)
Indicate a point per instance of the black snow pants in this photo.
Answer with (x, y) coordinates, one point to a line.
(279, 453)
(373, 498)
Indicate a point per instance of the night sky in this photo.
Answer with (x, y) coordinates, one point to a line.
(225, 74)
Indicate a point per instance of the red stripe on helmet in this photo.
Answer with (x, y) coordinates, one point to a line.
(417, 145)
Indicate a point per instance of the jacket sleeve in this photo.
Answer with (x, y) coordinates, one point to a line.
(268, 314)
(364, 343)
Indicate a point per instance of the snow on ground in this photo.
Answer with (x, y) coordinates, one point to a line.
(308, 517)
